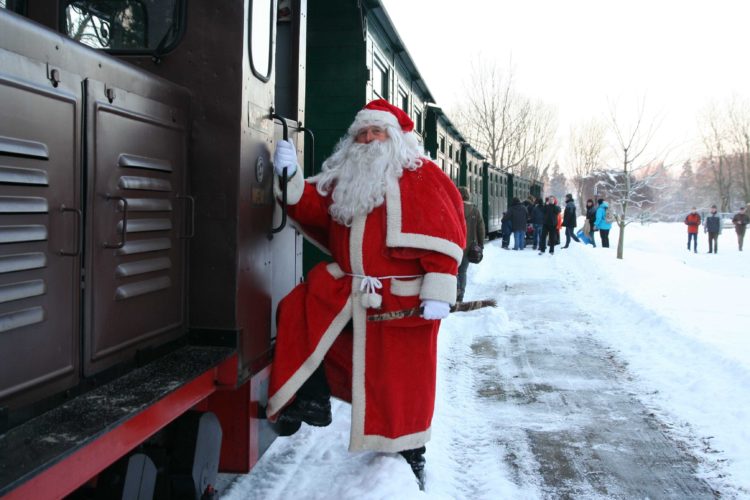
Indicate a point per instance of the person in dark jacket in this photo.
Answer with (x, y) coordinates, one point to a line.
(740, 221)
(550, 232)
(591, 218)
(528, 204)
(712, 226)
(505, 230)
(693, 222)
(474, 235)
(518, 221)
(569, 220)
(537, 220)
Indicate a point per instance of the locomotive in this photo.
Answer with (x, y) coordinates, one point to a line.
(142, 252)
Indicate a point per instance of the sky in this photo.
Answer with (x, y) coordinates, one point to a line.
(581, 346)
(580, 55)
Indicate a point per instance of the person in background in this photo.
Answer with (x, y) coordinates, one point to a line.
(528, 204)
(550, 231)
(712, 226)
(537, 220)
(474, 235)
(693, 221)
(740, 221)
(518, 220)
(569, 220)
(601, 224)
(591, 218)
(505, 230)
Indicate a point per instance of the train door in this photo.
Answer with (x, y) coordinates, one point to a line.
(92, 172)
(289, 102)
(136, 163)
(40, 224)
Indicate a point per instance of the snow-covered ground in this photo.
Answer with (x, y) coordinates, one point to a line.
(580, 341)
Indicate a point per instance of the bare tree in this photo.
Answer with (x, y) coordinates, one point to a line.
(586, 154)
(715, 135)
(514, 133)
(738, 113)
(541, 128)
(624, 188)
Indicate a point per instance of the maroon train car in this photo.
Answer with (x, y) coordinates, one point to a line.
(141, 250)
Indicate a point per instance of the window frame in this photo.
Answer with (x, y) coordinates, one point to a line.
(384, 69)
(418, 120)
(20, 7)
(403, 99)
(271, 36)
(180, 24)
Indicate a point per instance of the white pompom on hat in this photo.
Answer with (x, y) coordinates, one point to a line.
(379, 113)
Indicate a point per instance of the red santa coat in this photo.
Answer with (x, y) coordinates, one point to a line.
(413, 244)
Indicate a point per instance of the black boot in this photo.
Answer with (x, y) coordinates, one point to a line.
(415, 459)
(315, 412)
(312, 404)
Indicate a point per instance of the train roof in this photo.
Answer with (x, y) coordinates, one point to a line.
(473, 151)
(377, 10)
(447, 123)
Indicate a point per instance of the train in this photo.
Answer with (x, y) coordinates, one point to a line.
(142, 252)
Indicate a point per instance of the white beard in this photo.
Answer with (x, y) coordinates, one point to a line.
(360, 175)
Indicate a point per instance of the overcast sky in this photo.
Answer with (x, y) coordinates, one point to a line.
(578, 54)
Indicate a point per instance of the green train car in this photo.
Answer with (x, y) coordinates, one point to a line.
(355, 55)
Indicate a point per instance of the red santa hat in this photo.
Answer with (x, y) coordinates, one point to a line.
(379, 113)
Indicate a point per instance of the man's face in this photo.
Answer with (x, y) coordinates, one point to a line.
(713, 210)
(369, 134)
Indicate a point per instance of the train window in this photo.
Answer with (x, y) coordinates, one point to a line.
(124, 26)
(379, 78)
(261, 34)
(17, 6)
(403, 99)
(418, 121)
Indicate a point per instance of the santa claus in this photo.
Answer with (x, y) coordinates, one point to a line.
(393, 224)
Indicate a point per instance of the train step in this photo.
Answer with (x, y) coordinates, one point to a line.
(35, 446)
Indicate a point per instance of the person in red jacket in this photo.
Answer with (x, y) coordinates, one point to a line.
(693, 221)
(393, 224)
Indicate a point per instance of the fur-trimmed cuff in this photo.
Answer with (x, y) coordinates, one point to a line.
(295, 186)
(439, 286)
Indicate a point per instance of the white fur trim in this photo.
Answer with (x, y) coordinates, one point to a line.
(290, 388)
(395, 237)
(393, 445)
(357, 438)
(335, 270)
(406, 288)
(439, 286)
(369, 117)
(295, 186)
(359, 321)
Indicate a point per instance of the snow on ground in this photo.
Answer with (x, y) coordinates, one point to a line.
(675, 325)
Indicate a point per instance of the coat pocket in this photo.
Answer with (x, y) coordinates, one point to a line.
(406, 287)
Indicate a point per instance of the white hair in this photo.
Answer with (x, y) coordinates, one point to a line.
(359, 174)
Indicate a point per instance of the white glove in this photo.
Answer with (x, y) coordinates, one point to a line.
(285, 156)
(435, 309)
